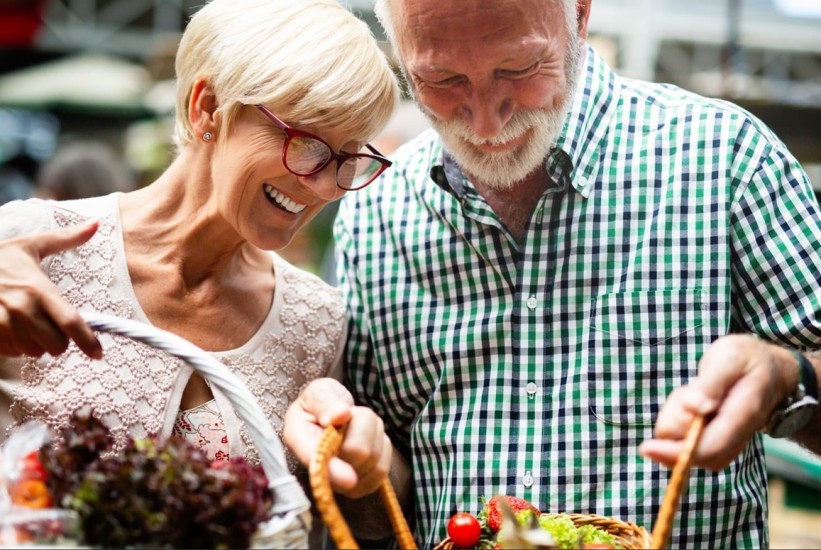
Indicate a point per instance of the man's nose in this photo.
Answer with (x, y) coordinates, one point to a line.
(487, 110)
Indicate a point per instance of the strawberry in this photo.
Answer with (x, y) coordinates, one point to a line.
(491, 514)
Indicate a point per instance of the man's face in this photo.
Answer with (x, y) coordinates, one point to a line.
(495, 79)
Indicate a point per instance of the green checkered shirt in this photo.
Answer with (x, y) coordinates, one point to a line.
(536, 368)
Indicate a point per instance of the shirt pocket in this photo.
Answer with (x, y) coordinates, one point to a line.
(642, 345)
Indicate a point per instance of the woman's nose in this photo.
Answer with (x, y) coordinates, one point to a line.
(323, 183)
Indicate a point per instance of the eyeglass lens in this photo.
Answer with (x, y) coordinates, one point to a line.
(306, 155)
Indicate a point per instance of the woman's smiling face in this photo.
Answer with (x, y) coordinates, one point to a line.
(265, 202)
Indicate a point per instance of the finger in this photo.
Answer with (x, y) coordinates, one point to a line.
(46, 244)
(371, 479)
(324, 399)
(70, 324)
(342, 475)
(728, 432)
(679, 410)
(665, 451)
(364, 440)
(328, 401)
(725, 362)
(44, 336)
(7, 343)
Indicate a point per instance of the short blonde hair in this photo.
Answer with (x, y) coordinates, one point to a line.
(311, 61)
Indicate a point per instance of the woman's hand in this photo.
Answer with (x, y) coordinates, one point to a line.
(34, 317)
(364, 459)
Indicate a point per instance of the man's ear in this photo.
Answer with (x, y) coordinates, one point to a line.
(202, 108)
(582, 17)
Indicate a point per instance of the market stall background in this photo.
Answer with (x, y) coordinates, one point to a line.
(102, 70)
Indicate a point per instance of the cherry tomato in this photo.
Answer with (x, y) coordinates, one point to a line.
(31, 467)
(464, 530)
(31, 493)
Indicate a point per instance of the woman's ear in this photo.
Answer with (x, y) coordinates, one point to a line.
(202, 108)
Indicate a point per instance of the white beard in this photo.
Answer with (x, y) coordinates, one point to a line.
(503, 170)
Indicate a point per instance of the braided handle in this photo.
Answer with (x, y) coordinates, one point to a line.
(328, 509)
(675, 488)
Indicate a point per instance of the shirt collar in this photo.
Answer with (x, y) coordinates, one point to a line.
(585, 129)
(573, 161)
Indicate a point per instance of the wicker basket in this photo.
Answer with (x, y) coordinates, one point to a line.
(629, 536)
(291, 520)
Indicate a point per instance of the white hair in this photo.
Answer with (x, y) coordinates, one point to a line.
(385, 15)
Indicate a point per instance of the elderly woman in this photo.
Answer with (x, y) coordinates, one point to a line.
(276, 102)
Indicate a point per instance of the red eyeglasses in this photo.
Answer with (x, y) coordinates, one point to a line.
(305, 154)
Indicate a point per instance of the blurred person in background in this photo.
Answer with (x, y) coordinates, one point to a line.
(276, 103)
(15, 184)
(81, 170)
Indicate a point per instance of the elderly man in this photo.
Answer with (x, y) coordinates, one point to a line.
(533, 279)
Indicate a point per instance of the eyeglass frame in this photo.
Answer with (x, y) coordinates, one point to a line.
(340, 158)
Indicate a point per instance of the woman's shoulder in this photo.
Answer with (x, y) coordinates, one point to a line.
(37, 215)
(307, 289)
(25, 216)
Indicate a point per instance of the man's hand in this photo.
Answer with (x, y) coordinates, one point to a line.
(364, 459)
(34, 317)
(740, 381)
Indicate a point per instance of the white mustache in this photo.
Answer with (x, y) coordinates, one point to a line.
(515, 128)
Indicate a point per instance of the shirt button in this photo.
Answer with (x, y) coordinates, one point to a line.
(527, 480)
(531, 389)
(531, 302)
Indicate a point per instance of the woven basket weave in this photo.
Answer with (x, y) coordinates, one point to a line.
(291, 520)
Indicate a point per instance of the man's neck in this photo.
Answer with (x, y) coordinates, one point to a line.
(515, 205)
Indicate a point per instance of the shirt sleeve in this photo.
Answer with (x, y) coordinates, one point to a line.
(361, 375)
(776, 228)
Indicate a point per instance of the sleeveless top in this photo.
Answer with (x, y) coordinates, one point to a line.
(136, 389)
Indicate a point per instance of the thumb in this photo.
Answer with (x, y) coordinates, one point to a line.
(46, 244)
(328, 401)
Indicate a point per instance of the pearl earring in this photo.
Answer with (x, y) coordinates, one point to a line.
(207, 136)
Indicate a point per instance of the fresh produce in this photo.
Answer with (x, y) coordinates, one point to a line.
(155, 493)
(512, 522)
(492, 512)
(464, 530)
(29, 489)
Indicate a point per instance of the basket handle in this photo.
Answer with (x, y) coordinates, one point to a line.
(324, 497)
(681, 471)
(290, 495)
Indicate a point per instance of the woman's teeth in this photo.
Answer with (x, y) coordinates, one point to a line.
(282, 201)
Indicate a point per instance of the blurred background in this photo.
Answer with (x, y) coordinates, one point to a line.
(87, 94)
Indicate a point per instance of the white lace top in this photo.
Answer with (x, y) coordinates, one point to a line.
(135, 388)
